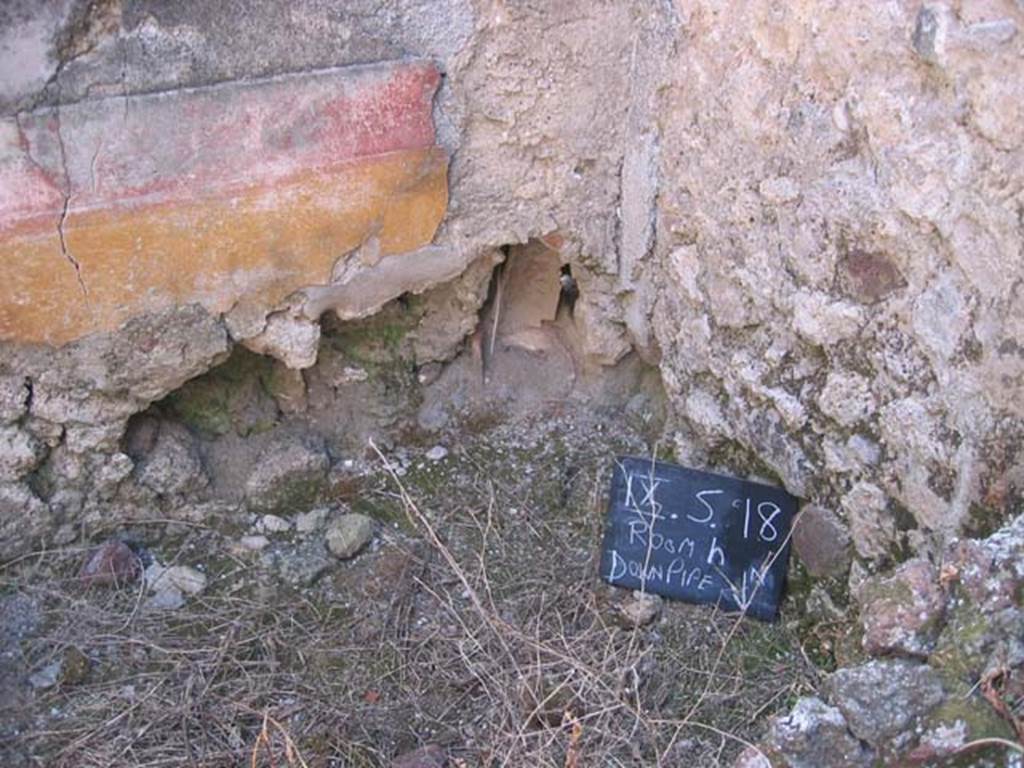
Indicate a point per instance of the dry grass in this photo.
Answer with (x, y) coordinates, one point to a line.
(490, 635)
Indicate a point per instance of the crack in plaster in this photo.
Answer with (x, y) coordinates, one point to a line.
(65, 251)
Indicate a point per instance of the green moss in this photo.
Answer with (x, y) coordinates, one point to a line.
(231, 397)
(390, 512)
(382, 347)
(204, 411)
(43, 480)
(761, 646)
(959, 654)
(984, 520)
(378, 340)
(895, 591)
(371, 344)
(479, 422)
(825, 638)
(277, 381)
(298, 492)
(977, 714)
(799, 584)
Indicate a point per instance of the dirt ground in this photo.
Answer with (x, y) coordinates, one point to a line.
(475, 620)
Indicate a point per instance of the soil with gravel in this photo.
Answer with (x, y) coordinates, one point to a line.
(473, 624)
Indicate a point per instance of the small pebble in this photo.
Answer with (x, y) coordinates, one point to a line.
(349, 534)
(272, 524)
(437, 453)
(640, 609)
(167, 599)
(299, 565)
(254, 543)
(429, 373)
(47, 677)
(187, 579)
(112, 563)
(307, 522)
(183, 578)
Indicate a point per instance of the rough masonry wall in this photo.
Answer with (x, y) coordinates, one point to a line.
(839, 251)
(808, 214)
(177, 125)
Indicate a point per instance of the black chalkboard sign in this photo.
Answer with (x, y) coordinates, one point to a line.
(697, 536)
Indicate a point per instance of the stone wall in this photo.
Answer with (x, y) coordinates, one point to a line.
(839, 253)
(809, 215)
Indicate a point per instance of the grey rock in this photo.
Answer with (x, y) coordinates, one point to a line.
(778, 190)
(928, 26)
(847, 398)
(190, 581)
(79, 399)
(174, 466)
(294, 340)
(307, 522)
(71, 668)
(638, 609)
(272, 524)
(437, 453)
(24, 519)
(910, 712)
(815, 735)
(982, 630)
(822, 320)
(171, 585)
(14, 398)
(109, 471)
(20, 453)
(151, 356)
(347, 535)
(872, 527)
(820, 606)
(429, 373)
(882, 699)
(941, 743)
(47, 677)
(289, 477)
(302, 565)
(902, 613)
(254, 543)
(20, 618)
(166, 599)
